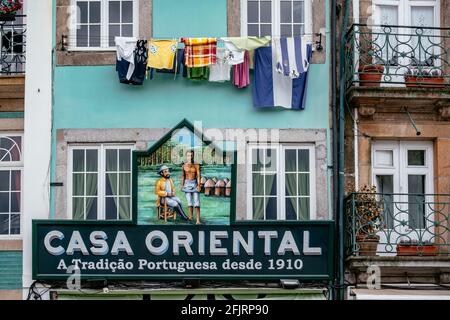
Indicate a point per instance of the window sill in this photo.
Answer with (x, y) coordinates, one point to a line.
(91, 57)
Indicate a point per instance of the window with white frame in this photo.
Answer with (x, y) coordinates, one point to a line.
(10, 184)
(281, 182)
(98, 22)
(285, 18)
(100, 182)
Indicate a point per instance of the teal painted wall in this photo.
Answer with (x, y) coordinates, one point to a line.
(10, 270)
(193, 18)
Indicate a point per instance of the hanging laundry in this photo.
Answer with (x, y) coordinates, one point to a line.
(198, 73)
(241, 73)
(235, 55)
(199, 52)
(178, 64)
(271, 89)
(291, 56)
(220, 71)
(161, 53)
(125, 47)
(140, 62)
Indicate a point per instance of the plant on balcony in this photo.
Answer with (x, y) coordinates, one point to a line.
(424, 77)
(8, 9)
(416, 248)
(370, 75)
(368, 220)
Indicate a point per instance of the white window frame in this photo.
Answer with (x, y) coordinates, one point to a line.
(276, 21)
(101, 179)
(280, 171)
(15, 166)
(104, 26)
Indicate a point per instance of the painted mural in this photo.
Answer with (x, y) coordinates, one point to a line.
(184, 181)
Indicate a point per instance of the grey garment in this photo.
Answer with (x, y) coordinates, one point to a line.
(193, 199)
(190, 185)
(171, 201)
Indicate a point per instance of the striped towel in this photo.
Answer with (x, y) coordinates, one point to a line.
(291, 56)
(199, 52)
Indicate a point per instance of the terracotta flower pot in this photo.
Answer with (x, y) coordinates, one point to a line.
(428, 82)
(370, 75)
(412, 250)
(367, 244)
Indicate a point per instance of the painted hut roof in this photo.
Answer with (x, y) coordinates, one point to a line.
(220, 184)
(209, 183)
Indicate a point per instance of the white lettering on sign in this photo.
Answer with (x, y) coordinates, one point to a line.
(267, 236)
(215, 243)
(99, 244)
(184, 239)
(163, 247)
(49, 237)
(307, 250)
(76, 244)
(238, 241)
(121, 244)
(288, 244)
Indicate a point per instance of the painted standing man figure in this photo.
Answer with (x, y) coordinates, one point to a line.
(165, 190)
(190, 184)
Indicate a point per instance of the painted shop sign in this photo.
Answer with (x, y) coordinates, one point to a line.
(182, 224)
(238, 251)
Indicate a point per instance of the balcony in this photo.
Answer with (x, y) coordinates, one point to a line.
(389, 67)
(12, 64)
(405, 235)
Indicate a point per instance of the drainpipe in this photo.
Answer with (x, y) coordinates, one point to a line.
(355, 148)
(341, 212)
(333, 72)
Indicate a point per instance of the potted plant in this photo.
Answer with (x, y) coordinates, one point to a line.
(424, 78)
(368, 220)
(370, 75)
(416, 248)
(8, 9)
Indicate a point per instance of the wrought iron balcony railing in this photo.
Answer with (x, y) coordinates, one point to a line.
(13, 46)
(397, 224)
(381, 55)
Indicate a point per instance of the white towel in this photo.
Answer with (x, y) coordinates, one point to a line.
(125, 47)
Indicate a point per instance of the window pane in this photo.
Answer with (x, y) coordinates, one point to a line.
(82, 36)
(15, 180)
(127, 12)
(15, 224)
(271, 208)
(266, 30)
(124, 160)
(416, 157)
(257, 184)
(78, 208)
(127, 30)
(114, 12)
(91, 184)
(78, 184)
(111, 184)
(111, 160)
(125, 184)
(4, 180)
(124, 208)
(257, 159)
(4, 224)
(94, 12)
(303, 184)
(303, 208)
(114, 30)
(416, 201)
(303, 160)
(299, 15)
(385, 185)
(291, 184)
(270, 160)
(285, 12)
(286, 30)
(266, 11)
(91, 208)
(291, 208)
(78, 161)
(384, 158)
(252, 11)
(4, 202)
(111, 208)
(290, 162)
(253, 30)
(15, 201)
(258, 208)
(91, 161)
(299, 30)
(94, 36)
(83, 13)
(271, 184)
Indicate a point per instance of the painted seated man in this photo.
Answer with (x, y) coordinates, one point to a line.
(166, 191)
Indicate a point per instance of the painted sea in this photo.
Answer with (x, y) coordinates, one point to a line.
(213, 209)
